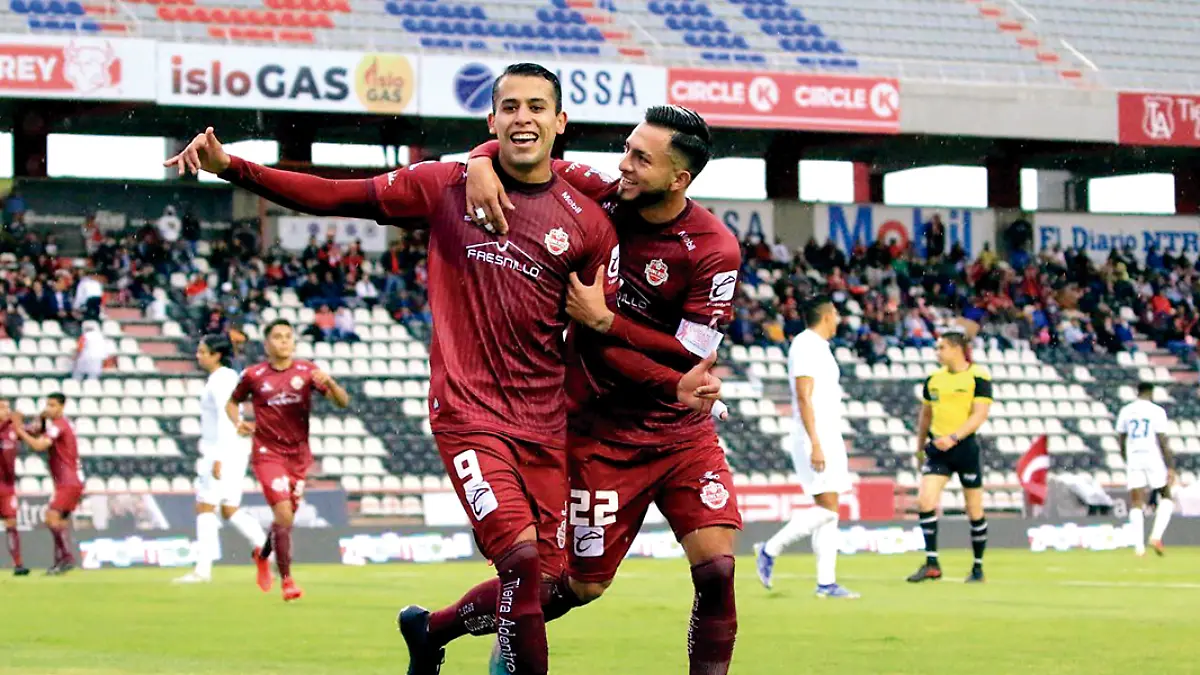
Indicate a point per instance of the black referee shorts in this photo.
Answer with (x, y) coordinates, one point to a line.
(963, 459)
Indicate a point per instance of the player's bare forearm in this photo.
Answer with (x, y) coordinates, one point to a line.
(923, 422)
(303, 192)
(979, 414)
(337, 395)
(35, 443)
(233, 411)
(1167, 455)
(1121, 445)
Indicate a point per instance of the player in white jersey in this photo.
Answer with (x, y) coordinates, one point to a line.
(817, 449)
(1141, 430)
(222, 464)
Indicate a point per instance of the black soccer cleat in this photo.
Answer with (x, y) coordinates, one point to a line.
(60, 569)
(926, 572)
(423, 659)
(976, 576)
(20, 571)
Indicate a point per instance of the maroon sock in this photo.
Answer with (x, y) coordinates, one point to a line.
(475, 612)
(714, 618)
(520, 624)
(14, 546)
(68, 544)
(281, 537)
(60, 549)
(557, 597)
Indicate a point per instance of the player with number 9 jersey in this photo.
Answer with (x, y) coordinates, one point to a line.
(10, 443)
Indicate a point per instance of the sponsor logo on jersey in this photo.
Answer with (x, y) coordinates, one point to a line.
(723, 284)
(657, 272)
(630, 296)
(391, 178)
(297, 382)
(614, 262)
(687, 241)
(284, 398)
(557, 241)
(480, 498)
(566, 195)
(589, 541)
(506, 255)
(714, 495)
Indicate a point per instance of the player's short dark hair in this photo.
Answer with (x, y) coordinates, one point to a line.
(276, 324)
(955, 337)
(815, 309)
(526, 69)
(58, 396)
(692, 138)
(1144, 388)
(219, 344)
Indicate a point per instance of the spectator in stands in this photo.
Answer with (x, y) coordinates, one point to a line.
(935, 237)
(394, 264)
(93, 350)
(1154, 259)
(310, 292)
(169, 227)
(89, 294)
(14, 322)
(781, 255)
(1122, 332)
(343, 326)
(366, 292)
(197, 292)
(190, 230)
(323, 325)
(916, 332)
(14, 209)
(92, 235)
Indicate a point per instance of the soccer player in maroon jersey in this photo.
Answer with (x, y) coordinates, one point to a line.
(630, 445)
(280, 390)
(10, 443)
(497, 403)
(54, 434)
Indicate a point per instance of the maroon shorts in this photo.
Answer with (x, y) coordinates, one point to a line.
(66, 498)
(281, 476)
(612, 489)
(507, 485)
(8, 502)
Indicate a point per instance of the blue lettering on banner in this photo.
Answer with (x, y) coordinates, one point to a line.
(598, 87)
(1102, 243)
(908, 228)
(753, 225)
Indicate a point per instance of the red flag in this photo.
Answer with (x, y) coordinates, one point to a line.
(1032, 469)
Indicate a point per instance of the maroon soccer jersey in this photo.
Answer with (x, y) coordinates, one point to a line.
(64, 453)
(9, 444)
(282, 401)
(497, 358)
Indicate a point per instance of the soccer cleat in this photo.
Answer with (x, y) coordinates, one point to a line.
(836, 591)
(976, 576)
(192, 578)
(264, 570)
(926, 572)
(291, 591)
(1158, 547)
(423, 659)
(766, 564)
(20, 571)
(496, 664)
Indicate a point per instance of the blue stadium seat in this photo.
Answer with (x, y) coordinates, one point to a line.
(703, 10)
(673, 23)
(477, 45)
(18, 6)
(410, 25)
(93, 27)
(561, 4)
(805, 61)
(444, 27)
(704, 25)
(478, 14)
(655, 7)
(37, 7)
(815, 31)
(751, 13)
(528, 32)
(740, 42)
(594, 34)
(393, 9)
(479, 28)
(545, 32)
(720, 26)
(686, 9)
(461, 12)
(723, 41)
(426, 10)
(544, 15)
(795, 14)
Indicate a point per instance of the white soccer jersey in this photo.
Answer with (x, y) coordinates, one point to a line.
(218, 435)
(810, 356)
(1141, 422)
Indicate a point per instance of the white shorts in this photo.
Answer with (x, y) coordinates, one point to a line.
(1153, 476)
(224, 492)
(836, 476)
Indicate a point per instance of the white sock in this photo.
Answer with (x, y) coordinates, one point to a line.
(1162, 516)
(826, 541)
(249, 527)
(1137, 520)
(207, 527)
(801, 525)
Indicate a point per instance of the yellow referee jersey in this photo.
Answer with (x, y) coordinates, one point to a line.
(951, 396)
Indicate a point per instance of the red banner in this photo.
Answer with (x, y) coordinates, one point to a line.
(733, 98)
(1158, 119)
(870, 499)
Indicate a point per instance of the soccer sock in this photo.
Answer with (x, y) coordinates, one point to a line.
(520, 624)
(246, 524)
(207, 533)
(557, 597)
(62, 545)
(14, 546)
(713, 627)
(1162, 516)
(801, 525)
(929, 528)
(825, 546)
(282, 538)
(474, 613)
(1137, 521)
(979, 539)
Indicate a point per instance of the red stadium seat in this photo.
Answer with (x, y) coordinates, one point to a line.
(324, 21)
(219, 16)
(288, 19)
(255, 17)
(200, 15)
(632, 51)
(274, 4)
(297, 36)
(166, 13)
(271, 18)
(340, 6)
(237, 16)
(216, 32)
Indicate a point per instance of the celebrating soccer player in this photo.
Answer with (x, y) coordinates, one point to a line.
(280, 390)
(9, 444)
(222, 464)
(957, 398)
(54, 434)
(818, 450)
(1141, 429)
(633, 443)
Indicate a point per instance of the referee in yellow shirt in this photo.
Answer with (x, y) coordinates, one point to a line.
(956, 401)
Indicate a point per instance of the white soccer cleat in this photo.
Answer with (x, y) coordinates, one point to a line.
(192, 578)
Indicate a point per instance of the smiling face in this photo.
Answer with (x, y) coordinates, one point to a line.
(649, 169)
(526, 121)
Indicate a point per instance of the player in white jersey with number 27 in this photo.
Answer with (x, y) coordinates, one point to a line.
(818, 450)
(222, 464)
(1141, 430)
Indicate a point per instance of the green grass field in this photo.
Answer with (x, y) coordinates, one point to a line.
(1051, 613)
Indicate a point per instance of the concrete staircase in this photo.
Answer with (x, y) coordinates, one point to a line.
(164, 349)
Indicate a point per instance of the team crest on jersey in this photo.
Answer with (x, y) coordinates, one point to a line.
(297, 382)
(266, 386)
(657, 272)
(714, 495)
(557, 241)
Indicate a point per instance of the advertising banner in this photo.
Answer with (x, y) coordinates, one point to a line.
(851, 224)
(592, 92)
(295, 231)
(1158, 119)
(1099, 235)
(734, 98)
(746, 218)
(76, 68)
(286, 79)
